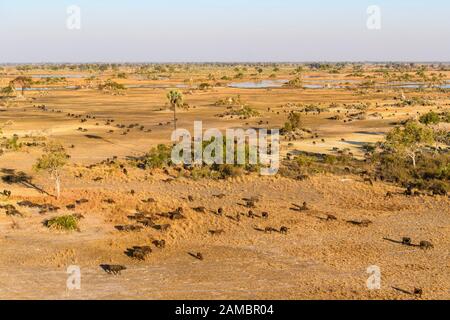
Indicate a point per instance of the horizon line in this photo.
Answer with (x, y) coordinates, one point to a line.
(229, 62)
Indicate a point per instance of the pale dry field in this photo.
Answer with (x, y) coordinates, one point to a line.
(317, 259)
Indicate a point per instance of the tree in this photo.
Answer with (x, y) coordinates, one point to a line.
(293, 122)
(52, 161)
(299, 71)
(436, 80)
(294, 83)
(410, 139)
(111, 86)
(176, 100)
(430, 118)
(23, 82)
(239, 75)
(122, 75)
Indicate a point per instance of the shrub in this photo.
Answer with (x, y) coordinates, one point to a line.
(68, 223)
(203, 172)
(111, 86)
(432, 171)
(414, 101)
(430, 118)
(314, 108)
(369, 147)
(446, 117)
(229, 101)
(228, 170)
(304, 160)
(157, 157)
(293, 123)
(204, 86)
(295, 83)
(439, 188)
(9, 90)
(12, 143)
(330, 159)
(442, 136)
(244, 111)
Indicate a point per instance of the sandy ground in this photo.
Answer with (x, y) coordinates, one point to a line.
(316, 259)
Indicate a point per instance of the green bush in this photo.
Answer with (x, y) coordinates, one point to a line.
(204, 172)
(229, 101)
(304, 160)
(415, 101)
(388, 161)
(216, 172)
(244, 112)
(439, 188)
(293, 123)
(228, 170)
(330, 159)
(430, 118)
(432, 171)
(204, 86)
(157, 157)
(12, 143)
(442, 136)
(295, 83)
(369, 147)
(68, 223)
(110, 85)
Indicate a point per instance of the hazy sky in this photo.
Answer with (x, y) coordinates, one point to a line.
(223, 30)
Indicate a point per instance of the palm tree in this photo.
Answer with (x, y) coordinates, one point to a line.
(176, 100)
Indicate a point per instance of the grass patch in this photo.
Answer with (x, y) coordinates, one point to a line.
(67, 223)
(158, 157)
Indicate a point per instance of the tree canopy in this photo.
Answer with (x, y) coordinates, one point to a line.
(21, 81)
(410, 139)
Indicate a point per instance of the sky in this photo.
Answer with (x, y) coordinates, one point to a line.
(223, 30)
